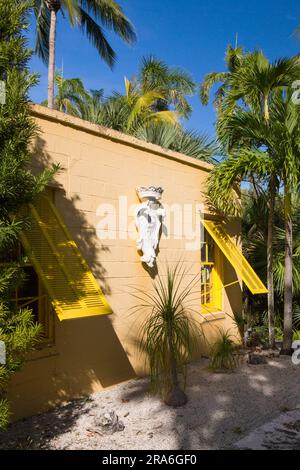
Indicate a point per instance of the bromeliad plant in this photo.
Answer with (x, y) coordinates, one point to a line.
(168, 336)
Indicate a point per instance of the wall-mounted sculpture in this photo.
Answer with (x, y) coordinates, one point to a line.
(149, 216)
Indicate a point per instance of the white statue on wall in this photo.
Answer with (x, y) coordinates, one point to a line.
(149, 216)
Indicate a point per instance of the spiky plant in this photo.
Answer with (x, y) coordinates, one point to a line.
(169, 334)
(222, 354)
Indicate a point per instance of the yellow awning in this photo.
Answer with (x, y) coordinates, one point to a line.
(235, 257)
(69, 282)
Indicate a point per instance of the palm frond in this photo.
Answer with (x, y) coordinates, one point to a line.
(97, 37)
(209, 80)
(111, 15)
(42, 15)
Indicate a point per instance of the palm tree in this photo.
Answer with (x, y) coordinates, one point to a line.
(87, 15)
(286, 144)
(128, 112)
(176, 138)
(91, 107)
(254, 84)
(233, 58)
(173, 83)
(70, 93)
(278, 162)
(255, 229)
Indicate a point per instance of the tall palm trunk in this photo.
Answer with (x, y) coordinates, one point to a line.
(53, 6)
(288, 274)
(270, 277)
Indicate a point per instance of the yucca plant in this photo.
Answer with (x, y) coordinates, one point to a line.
(223, 353)
(169, 334)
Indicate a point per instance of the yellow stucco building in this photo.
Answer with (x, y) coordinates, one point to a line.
(83, 259)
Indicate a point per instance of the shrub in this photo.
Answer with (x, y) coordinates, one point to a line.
(222, 354)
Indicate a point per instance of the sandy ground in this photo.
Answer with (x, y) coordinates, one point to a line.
(222, 409)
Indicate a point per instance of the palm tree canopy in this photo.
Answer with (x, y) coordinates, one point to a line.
(70, 94)
(256, 80)
(233, 59)
(280, 135)
(178, 139)
(90, 16)
(174, 84)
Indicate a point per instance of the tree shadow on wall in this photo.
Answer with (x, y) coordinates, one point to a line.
(90, 351)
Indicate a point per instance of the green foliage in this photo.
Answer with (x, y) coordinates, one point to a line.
(296, 335)
(178, 139)
(149, 109)
(88, 16)
(222, 354)
(239, 320)
(233, 58)
(70, 93)
(260, 335)
(254, 238)
(258, 125)
(173, 84)
(169, 334)
(18, 186)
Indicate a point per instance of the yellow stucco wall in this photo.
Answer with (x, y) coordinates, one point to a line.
(99, 165)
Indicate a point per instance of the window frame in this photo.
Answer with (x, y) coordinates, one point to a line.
(216, 265)
(45, 314)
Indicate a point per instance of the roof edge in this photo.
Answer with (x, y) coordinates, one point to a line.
(107, 133)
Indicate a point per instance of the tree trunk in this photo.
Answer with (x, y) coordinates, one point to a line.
(176, 397)
(266, 108)
(288, 274)
(51, 67)
(270, 277)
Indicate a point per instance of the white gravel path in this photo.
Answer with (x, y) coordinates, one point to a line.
(222, 408)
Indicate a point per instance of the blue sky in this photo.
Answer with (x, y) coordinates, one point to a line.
(191, 34)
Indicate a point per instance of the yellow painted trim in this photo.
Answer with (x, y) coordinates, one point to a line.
(235, 257)
(81, 303)
(217, 281)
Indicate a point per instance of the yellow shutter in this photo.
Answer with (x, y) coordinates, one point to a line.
(70, 284)
(235, 257)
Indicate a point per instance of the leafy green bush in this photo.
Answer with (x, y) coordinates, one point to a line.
(18, 186)
(296, 335)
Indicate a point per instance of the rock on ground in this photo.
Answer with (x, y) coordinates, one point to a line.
(281, 433)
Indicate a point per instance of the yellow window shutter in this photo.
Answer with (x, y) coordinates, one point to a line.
(235, 257)
(69, 282)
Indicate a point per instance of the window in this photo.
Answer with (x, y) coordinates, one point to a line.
(32, 294)
(211, 275)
